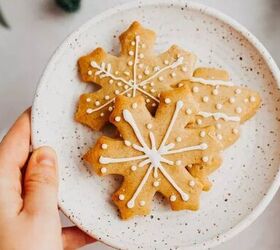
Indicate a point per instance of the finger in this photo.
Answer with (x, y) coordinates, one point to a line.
(14, 150)
(41, 182)
(74, 238)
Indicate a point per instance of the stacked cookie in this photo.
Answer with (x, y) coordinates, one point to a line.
(173, 120)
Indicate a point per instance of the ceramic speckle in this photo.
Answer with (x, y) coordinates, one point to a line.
(242, 187)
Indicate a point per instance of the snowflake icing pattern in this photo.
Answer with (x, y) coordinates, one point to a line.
(136, 72)
(154, 159)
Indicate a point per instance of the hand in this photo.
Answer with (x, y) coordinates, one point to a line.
(29, 218)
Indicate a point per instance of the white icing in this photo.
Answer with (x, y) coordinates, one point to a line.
(184, 69)
(131, 53)
(215, 92)
(218, 116)
(117, 118)
(102, 114)
(219, 106)
(166, 62)
(205, 99)
(104, 146)
(89, 72)
(133, 168)
(173, 74)
(167, 100)
(89, 111)
(191, 183)
(252, 99)
(172, 198)
(130, 63)
(106, 97)
(199, 121)
(202, 133)
(237, 91)
(121, 197)
(134, 105)
(178, 139)
(142, 203)
(149, 126)
(119, 84)
(156, 183)
(127, 143)
(232, 99)
(238, 110)
(148, 100)
(188, 111)
(153, 156)
(103, 170)
(195, 89)
(205, 158)
(160, 78)
(140, 77)
(180, 85)
(97, 103)
(219, 137)
(211, 82)
(88, 99)
(235, 131)
(178, 162)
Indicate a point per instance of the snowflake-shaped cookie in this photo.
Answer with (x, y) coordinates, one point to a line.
(137, 71)
(222, 104)
(154, 151)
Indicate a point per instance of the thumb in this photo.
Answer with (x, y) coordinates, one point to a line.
(41, 182)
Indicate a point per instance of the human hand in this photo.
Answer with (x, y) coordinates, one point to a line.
(29, 218)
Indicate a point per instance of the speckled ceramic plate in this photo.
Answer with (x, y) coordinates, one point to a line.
(248, 178)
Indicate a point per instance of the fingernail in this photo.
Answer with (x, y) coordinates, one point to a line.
(46, 156)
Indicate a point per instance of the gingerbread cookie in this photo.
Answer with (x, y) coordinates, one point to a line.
(221, 104)
(154, 151)
(137, 71)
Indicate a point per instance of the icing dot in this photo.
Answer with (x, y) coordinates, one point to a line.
(172, 198)
(121, 197)
(110, 108)
(141, 55)
(192, 183)
(130, 63)
(199, 121)
(111, 81)
(180, 85)
(204, 146)
(153, 90)
(156, 68)
(134, 105)
(238, 110)
(117, 118)
(102, 114)
(127, 143)
(218, 126)
(146, 72)
(125, 86)
(190, 166)
(148, 100)
(133, 168)
(235, 131)
(128, 95)
(202, 133)
(195, 89)
(119, 84)
(215, 92)
(246, 100)
(89, 72)
(106, 97)
(104, 146)
(166, 62)
(88, 99)
(140, 76)
(178, 163)
(205, 158)
(184, 69)
(126, 73)
(117, 92)
(131, 53)
(188, 111)
(141, 65)
(205, 98)
(142, 203)
(252, 99)
(173, 74)
(237, 91)
(167, 100)
(219, 106)
(156, 183)
(149, 126)
(116, 72)
(154, 104)
(232, 100)
(89, 111)
(144, 87)
(143, 46)
(97, 103)
(219, 136)
(160, 78)
(178, 139)
(103, 170)
(152, 84)
(133, 43)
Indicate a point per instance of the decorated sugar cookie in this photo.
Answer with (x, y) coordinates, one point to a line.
(221, 104)
(154, 151)
(136, 71)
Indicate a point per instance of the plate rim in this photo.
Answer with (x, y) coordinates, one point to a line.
(205, 10)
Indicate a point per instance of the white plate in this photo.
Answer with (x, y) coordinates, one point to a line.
(249, 176)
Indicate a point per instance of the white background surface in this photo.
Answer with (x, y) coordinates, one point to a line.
(38, 27)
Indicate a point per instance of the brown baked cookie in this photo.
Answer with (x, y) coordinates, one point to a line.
(154, 151)
(223, 105)
(136, 71)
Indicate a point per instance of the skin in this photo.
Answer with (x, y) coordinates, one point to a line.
(29, 217)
